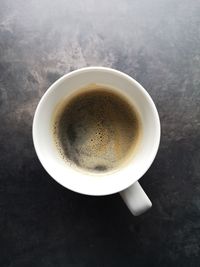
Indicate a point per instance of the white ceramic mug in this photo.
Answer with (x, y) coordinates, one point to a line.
(124, 180)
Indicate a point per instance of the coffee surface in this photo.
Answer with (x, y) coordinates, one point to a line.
(96, 129)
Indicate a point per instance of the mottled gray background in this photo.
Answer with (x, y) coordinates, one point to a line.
(157, 42)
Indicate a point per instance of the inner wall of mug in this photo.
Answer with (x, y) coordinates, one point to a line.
(95, 184)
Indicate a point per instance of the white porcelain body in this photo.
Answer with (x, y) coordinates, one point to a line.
(95, 184)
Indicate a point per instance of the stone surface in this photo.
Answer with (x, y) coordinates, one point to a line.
(156, 42)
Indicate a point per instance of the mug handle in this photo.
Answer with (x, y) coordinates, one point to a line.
(136, 199)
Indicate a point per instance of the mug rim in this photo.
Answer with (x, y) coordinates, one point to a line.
(122, 75)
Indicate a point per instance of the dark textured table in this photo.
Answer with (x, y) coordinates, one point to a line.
(156, 42)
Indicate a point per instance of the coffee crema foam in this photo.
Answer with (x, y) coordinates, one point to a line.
(96, 129)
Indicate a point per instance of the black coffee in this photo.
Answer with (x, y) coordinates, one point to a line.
(96, 129)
